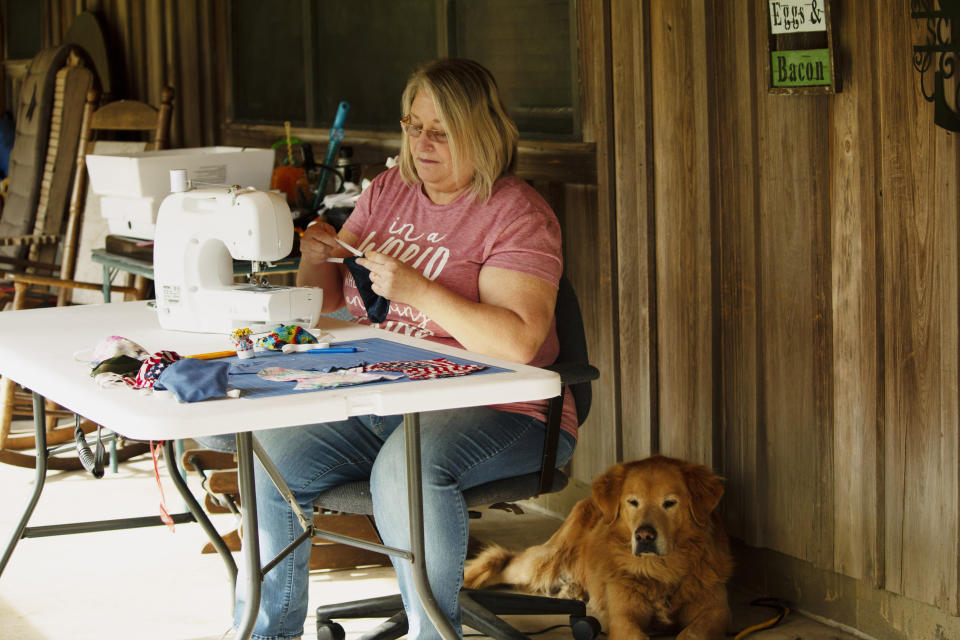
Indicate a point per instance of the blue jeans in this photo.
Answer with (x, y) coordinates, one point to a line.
(461, 449)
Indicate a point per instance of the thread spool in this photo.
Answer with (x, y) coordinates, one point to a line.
(178, 180)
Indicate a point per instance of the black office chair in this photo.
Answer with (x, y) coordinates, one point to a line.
(481, 608)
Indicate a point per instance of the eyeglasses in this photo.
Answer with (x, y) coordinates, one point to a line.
(414, 130)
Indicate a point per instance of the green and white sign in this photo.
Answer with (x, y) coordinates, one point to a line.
(807, 68)
(796, 16)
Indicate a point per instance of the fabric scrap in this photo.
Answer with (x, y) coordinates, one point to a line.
(113, 346)
(427, 369)
(239, 368)
(310, 380)
(122, 365)
(153, 365)
(110, 379)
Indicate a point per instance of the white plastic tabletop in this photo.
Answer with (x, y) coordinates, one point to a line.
(43, 349)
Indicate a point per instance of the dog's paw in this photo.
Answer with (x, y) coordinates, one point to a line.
(572, 591)
(487, 568)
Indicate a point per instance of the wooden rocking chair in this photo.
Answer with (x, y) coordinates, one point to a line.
(39, 282)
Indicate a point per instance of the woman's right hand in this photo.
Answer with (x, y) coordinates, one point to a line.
(318, 242)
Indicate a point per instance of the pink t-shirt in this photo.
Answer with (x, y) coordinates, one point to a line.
(450, 244)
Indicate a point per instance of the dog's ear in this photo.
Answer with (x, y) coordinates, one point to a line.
(705, 488)
(606, 492)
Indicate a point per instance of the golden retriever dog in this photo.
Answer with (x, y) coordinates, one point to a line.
(646, 552)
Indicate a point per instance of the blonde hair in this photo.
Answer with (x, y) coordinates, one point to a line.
(469, 107)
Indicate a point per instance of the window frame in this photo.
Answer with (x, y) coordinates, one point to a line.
(445, 28)
(548, 159)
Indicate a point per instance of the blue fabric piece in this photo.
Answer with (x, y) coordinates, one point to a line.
(303, 361)
(376, 305)
(192, 380)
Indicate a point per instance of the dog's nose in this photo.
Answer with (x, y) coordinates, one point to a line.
(645, 540)
(646, 533)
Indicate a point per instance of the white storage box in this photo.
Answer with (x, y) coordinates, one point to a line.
(134, 184)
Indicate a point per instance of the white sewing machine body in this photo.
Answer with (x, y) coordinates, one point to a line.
(199, 234)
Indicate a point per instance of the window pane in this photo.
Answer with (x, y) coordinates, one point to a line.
(365, 50)
(268, 61)
(298, 59)
(24, 28)
(527, 45)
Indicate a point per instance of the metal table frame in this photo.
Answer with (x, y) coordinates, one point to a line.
(247, 448)
(195, 512)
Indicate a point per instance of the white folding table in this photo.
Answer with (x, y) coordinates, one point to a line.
(44, 350)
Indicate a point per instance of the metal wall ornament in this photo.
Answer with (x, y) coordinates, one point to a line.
(939, 54)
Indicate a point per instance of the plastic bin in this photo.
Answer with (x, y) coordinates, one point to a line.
(134, 184)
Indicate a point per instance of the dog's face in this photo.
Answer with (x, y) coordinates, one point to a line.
(656, 501)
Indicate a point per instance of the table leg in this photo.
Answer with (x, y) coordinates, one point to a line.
(251, 541)
(177, 475)
(40, 432)
(108, 275)
(411, 426)
(107, 279)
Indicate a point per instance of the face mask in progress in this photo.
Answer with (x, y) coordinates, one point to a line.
(377, 306)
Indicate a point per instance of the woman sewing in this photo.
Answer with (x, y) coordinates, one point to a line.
(467, 255)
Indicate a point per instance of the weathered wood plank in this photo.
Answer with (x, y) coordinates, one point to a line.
(636, 272)
(682, 184)
(854, 201)
(591, 242)
(918, 227)
(794, 244)
(736, 242)
(945, 440)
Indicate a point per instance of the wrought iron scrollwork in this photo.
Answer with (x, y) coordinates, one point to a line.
(939, 54)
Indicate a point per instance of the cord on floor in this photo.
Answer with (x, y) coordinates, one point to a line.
(774, 603)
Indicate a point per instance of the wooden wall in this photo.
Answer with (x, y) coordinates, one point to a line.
(769, 282)
(800, 328)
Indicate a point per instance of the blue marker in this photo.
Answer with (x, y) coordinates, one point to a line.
(332, 350)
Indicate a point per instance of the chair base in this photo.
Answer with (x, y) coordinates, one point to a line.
(480, 611)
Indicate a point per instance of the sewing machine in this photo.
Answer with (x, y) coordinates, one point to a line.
(199, 234)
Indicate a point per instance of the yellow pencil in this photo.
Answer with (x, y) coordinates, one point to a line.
(213, 355)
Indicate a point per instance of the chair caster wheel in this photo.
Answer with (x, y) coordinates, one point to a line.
(327, 630)
(585, 628)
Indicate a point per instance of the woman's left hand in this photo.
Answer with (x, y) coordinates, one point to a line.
(393, 279)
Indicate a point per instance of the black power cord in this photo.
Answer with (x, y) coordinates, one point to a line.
(782, 608)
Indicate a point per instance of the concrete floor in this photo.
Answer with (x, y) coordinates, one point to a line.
(151, 583)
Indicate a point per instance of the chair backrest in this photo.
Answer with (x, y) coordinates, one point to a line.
(132, 115)
(573, 343)
(41, 163)
(121, 115)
